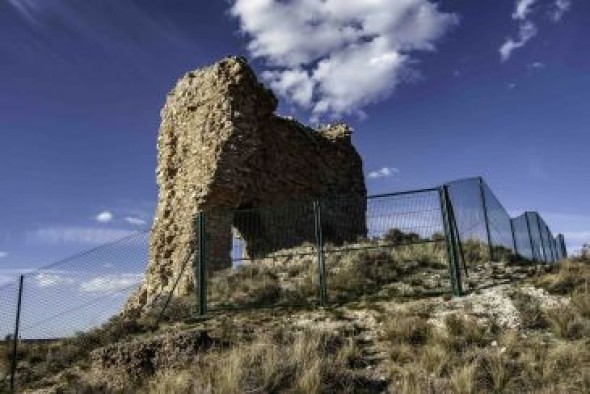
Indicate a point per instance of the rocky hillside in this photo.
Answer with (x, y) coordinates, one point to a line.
(531, 335)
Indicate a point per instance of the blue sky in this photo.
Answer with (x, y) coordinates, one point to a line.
(434, 91)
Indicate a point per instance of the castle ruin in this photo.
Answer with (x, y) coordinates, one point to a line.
(221, 148)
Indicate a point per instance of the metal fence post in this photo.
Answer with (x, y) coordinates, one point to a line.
(562, 246)
(16, 334)
(323, 289)
(513, 238)
(201, 269)
(452, 250)
(486, 218)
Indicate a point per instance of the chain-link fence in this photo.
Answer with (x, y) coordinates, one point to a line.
(333, 249)
(443, 240)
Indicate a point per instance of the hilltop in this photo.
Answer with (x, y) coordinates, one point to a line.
(530, 335)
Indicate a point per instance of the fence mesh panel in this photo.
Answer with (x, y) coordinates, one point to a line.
(535, 229)
(402, 254)
(83, 291)
(8, 307)
(468, 210)
(334, 249)
(499, 224)
(524, 248)
(272, 258)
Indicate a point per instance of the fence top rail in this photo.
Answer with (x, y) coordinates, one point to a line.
(418, 191)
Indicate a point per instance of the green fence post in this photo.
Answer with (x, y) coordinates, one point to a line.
(201, 268)
(452, 250)
(486, 218)
(319, 237)
(16, 334)
(457, 235)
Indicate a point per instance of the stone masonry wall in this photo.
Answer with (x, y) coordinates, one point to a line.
(221, 148)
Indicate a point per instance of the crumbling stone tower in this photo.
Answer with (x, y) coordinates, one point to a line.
(220, 148)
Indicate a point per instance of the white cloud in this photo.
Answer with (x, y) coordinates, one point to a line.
(333, 57)
(3, 254)
(561, 7)
(511, 86)
(27, 8)
(81, 235)
(10, 275)
(52, 279)
(135, 221)
(111, 284)
(383, 172)
(104, 217)
(527, 31)
(537, 65)
(523, 8)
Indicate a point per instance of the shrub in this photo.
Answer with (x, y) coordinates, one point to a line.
(411, 330)
(529, 307)
(581, 301)
(569, 276)
(566, 323)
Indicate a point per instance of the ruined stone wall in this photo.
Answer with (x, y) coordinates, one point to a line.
(220, 148)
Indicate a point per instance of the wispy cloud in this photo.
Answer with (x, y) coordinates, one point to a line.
(537, 65)
(104, 217)
(48, 279)
(111, 284)
(523, 8)
(135, 221)
(28, 8)
(561, 7)
(110, 26)
(3, 254)
(79, 235)
(527, 31)
(336, 57)
(10, 275)
(384, 172)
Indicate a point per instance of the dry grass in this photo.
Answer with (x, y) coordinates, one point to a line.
(581, 301)
(567, 323)
(351, 275)
(305, 362)
(467, 357)
(4, 359)
(463, 355)
(568, 276)
(530, 310)
(269, 283)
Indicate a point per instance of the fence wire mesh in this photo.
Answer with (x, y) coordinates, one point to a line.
(402, 254)
(522, 236)
(499, 225)
(466, 197)
(334, 249)
(83, 291)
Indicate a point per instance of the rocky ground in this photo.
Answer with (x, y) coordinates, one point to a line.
(530, 335)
